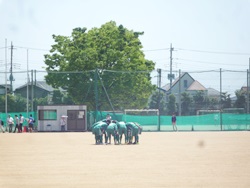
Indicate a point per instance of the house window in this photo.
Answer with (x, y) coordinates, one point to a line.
(47, 115)
(185, 83)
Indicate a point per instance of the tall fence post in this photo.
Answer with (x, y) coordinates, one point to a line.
(247, 92)
(220, 100)
(96, 95)
(159, 98)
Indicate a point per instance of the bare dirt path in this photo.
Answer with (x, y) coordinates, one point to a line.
(164, 159)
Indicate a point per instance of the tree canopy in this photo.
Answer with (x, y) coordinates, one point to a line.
(105, 64)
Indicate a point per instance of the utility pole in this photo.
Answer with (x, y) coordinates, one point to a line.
(11, 70)
(171, 76)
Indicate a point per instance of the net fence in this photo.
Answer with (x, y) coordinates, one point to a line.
(221, 89)
(207, 122)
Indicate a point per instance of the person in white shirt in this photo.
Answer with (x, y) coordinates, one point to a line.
(21, 120)
(10, 122)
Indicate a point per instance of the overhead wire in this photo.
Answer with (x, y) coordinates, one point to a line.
(213, 52)
(207, 62)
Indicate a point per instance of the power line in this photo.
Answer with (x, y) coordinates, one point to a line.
(207, 62)
(156, 50)
(39, 49)
(214, 52)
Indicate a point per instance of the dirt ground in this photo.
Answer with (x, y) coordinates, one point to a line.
(162, 159)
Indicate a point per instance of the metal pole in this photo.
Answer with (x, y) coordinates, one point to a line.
(32, 92)
(170, 77)
(27, 105)
(6, 87)
(248, 89)
(159, 99)
(96, 95)
(11, 75)
(247, 92)
(220, 100)
(35, 86)
(179, 101)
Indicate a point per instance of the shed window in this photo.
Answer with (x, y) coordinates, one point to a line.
(185, 83)
(47, 115)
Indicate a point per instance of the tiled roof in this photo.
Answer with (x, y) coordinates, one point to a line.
(196, 86)
(212, 92)
(167, 86)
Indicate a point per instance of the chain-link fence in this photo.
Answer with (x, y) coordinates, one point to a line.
(195, 92)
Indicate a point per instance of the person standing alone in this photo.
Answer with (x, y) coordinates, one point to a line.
(174, 122)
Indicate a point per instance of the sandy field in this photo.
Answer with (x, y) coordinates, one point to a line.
(161, 159)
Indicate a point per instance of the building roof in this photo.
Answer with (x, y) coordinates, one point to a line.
(196, 86)
(167, 86)
(244, 88)
(41, 84)
(212, 92)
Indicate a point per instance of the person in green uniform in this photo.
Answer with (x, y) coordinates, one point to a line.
(98, 129)
(112, 130)
(133, 131)
(122, 129)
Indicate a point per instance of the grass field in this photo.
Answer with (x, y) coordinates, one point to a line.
(162, 159)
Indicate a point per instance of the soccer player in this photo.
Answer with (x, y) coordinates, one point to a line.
(133, 131)
(122, 129)
(108, 119)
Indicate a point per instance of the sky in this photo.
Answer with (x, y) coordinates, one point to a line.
(207, 35)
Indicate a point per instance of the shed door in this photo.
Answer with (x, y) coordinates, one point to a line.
(76, 120)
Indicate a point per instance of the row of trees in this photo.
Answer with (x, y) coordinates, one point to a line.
(17, 103)
(190, 104)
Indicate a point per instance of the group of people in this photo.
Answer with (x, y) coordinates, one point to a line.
(108, 128)
(16, 124)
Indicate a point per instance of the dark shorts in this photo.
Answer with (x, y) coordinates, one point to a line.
(30, 125)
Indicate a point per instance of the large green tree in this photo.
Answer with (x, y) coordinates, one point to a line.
(105, 63)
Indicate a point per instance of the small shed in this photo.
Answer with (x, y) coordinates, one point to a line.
(50, 118)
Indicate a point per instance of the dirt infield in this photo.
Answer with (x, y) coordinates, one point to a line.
(162, 159)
